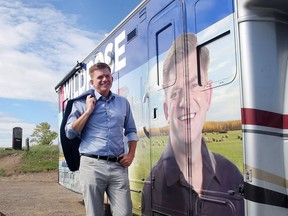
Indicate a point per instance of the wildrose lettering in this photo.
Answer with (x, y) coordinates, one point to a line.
(114, 55)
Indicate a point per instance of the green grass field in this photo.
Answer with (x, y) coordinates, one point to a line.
(37, 159)
(40, 158)
(229, 145)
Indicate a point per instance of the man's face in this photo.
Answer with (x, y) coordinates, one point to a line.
(190, 112)
(101, 80)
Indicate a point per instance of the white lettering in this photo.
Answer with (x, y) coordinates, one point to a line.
(80, 82)
(119, 50)
(109, 56)
(90, 63)
(98, 58)
(67, 90)
(76, 86)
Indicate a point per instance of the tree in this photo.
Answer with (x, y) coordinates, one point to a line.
(43, 135)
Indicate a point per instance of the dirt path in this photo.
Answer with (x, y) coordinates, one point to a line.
(37, 194)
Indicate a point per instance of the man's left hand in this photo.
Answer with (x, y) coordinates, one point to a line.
(126, 160)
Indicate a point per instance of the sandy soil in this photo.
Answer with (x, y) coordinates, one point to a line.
(35, 194)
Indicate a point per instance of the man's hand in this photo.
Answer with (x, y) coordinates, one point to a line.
(79, 123)
(90, 104)
(126, 159)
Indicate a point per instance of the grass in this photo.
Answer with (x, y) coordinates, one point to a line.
(2, 172)
(40, 158)
(7, 151)
(229, 145)
(37, 159)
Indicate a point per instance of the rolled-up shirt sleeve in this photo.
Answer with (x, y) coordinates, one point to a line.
(132, 137)
(75, 114)
(130, 126)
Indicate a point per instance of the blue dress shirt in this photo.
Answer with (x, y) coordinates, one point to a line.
(106, 127)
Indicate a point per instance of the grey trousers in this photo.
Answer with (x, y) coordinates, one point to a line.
(99, 176)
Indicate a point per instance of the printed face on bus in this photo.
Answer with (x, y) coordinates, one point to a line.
(101, 80)
(186, 104)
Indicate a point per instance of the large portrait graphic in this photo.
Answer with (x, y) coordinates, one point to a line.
(188, 177)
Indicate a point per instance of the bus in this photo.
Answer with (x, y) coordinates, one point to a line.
(207, 81)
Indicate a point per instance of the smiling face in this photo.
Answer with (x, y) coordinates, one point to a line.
(186, 104)
(101, 80)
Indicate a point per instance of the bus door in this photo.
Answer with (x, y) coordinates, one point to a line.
(220, 192)
(194, 105)
(163, 29)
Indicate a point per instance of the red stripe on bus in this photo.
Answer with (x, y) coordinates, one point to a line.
(264, 118)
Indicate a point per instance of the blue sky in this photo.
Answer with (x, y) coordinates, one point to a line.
(40, 42)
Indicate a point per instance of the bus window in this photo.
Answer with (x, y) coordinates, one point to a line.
(164, 38)
(222, 63)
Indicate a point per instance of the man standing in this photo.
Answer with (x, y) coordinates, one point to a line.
(101, 121)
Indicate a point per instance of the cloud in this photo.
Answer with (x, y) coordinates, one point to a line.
(39, 46)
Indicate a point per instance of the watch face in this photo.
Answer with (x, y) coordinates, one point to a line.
(18, 133)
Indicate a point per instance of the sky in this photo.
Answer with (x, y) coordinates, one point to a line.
(40, 42)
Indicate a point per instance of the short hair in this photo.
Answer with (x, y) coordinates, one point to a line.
(183, 46)
(98, 66)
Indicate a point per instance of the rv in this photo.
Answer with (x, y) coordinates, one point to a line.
(207, 81)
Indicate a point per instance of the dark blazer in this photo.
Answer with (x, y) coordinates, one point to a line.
(71, 146)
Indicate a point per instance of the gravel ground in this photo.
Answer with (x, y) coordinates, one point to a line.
(35, 194)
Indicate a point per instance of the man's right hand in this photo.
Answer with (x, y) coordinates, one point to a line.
(90, 103)
(79, 123)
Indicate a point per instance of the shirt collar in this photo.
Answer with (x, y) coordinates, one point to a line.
(172, 171)
(209, 166)
(98, 96)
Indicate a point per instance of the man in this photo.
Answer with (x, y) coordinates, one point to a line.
(99, 121)
(188, 179)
